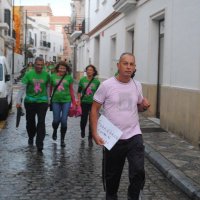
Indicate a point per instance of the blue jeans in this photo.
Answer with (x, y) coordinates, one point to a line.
(60, 113)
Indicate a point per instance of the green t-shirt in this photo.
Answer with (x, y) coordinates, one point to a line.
(88, 97)
(36, 90)
(62, 93)
(45, 68)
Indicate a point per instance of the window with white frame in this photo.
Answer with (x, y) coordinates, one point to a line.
(130, 39)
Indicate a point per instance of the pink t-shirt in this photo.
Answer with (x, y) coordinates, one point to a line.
(119, 102)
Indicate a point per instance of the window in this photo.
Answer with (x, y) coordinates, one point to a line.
(54, 48)
(7, 19)
(35, 39)
(1, 72)
(113, 55)
(130, 39)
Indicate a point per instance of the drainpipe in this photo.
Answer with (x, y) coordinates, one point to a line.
(13, 49)
(25, 53)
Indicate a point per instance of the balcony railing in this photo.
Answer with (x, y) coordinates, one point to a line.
(45, 44)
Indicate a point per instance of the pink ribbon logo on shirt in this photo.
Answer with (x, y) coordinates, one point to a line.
(37, 87)
(60, 87)
(89, 91)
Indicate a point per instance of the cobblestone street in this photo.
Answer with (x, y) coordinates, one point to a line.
(69, 173)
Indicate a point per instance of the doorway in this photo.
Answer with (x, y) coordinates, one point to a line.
(161, 24)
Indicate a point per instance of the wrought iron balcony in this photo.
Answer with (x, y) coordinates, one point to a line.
(45, 45)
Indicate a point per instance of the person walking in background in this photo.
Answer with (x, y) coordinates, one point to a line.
(122, 98)
(46, 66)
(86, 89)
(62, 96)
(35, 84)
(30, 66)
(51, 67)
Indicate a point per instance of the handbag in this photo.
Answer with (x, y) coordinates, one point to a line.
(55, 88)
(75, 111)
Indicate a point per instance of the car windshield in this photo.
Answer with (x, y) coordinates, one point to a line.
(1, 72)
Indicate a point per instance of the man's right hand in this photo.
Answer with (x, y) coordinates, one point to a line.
(98, 139)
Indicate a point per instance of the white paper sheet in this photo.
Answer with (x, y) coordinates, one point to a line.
(108, 132)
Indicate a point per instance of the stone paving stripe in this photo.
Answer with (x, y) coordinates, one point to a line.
(175, 175)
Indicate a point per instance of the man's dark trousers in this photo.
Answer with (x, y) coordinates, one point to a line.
(33, 109)
(86, 108)
(114, 160)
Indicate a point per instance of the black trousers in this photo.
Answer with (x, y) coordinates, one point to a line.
(33, 110)
(113, 163)
(86, 108)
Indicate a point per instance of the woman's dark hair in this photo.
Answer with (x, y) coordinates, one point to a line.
(94, 68)
(63, 63)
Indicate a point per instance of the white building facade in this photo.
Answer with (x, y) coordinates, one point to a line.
(7, 35)
(164, 36)
(42, 41)
(39, 33)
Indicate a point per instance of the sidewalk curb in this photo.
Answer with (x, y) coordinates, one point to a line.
(171, 172)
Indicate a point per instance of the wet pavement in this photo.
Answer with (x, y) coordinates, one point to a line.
(70, 173)
(74, 172)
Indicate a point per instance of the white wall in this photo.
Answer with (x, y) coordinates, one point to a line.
(98, 15)
(185, 71)
(181, 40)
(181, 52)
(57, 39)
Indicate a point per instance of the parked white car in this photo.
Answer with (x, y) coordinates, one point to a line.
(6, 88)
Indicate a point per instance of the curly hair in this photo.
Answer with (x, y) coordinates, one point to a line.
(94, 68)
(63, 63)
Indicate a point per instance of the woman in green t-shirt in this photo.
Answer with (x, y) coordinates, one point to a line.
(86, 89)
(62, 98)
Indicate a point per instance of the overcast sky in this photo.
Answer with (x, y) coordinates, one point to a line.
(59, 7)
